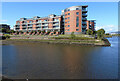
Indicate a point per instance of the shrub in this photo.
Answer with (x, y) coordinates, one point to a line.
(100, 33)
(43, 31)
(39, 31)
(54, 32)
(72, 35)
(48, 32)
(89, 32)
(7, 36)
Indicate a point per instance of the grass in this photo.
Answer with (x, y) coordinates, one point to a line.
(75, 38)
(56, 41)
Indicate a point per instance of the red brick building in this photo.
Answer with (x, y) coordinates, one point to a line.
(73, 19)
(91, 24)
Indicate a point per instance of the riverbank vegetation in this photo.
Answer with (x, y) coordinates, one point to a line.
(91, 37)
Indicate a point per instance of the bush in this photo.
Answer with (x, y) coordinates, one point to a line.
(100, 33)
(43, 31)
(39, 31)
(107, 34)
(72, 35)
(89, 32)
(7, 36)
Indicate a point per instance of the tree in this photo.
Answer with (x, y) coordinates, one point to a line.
(39, 31)
(89, 32)
(12, 31)
(100, 33)
(3, 30)
(43, 31)
(72, 35)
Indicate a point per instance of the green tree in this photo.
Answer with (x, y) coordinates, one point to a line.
(3, 30)
(72, 35)
(100, 33)
(7, 36)
(89, 32)
(43, 31)
(39, 31)
(12, 31)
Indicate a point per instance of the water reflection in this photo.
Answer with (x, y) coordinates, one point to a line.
(45, 61)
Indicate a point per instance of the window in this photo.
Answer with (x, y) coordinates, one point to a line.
(18, 22)
(68, 25)
(39, 20)
(68, 29)
(68, 9)
(65, 22)
(68, 21)
(65, 18)
(68, 13)
(65, 14)
(65, 11)
(77, 13)
(77, 21)
(77, 29)
(77, 8)
(30, 21)
(68, 17)
(77, 24)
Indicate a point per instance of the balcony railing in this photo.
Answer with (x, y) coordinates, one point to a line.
(44, 24)
(84, 15)
(24, 26)
(56, 24)
(84, 18)
(84, 26)
(38, 25)
(17, 26)
(84, 10)
(84, 23)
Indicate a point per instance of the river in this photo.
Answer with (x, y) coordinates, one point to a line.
(59, 61)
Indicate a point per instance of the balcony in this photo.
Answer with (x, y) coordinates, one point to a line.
(38, 25)
(83, 26)
(24, 23)
(84, 18)
(17, 26)
(84, 23)
(85, 15)
(24, 26)
(56, 27)
(44, 24)
(84, 10)
(56, 24)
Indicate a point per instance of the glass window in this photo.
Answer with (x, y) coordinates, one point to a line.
(68, 25)
(77, 21)
(68, 17)
(77, 24)
(68, 29)
(65, 18)
(68, 13)
(68, 21)
(77, 8)
(65, 14)
(77, 13)
(77, 29)
(30, 21)
(68, 9)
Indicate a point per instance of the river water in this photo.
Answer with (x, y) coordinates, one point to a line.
(58, 61)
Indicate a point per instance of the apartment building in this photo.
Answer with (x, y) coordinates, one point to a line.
(75, 19)
(72, 19)
(50, 23)
(91, 24)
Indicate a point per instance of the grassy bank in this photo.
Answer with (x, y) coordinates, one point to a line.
(60, 41)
